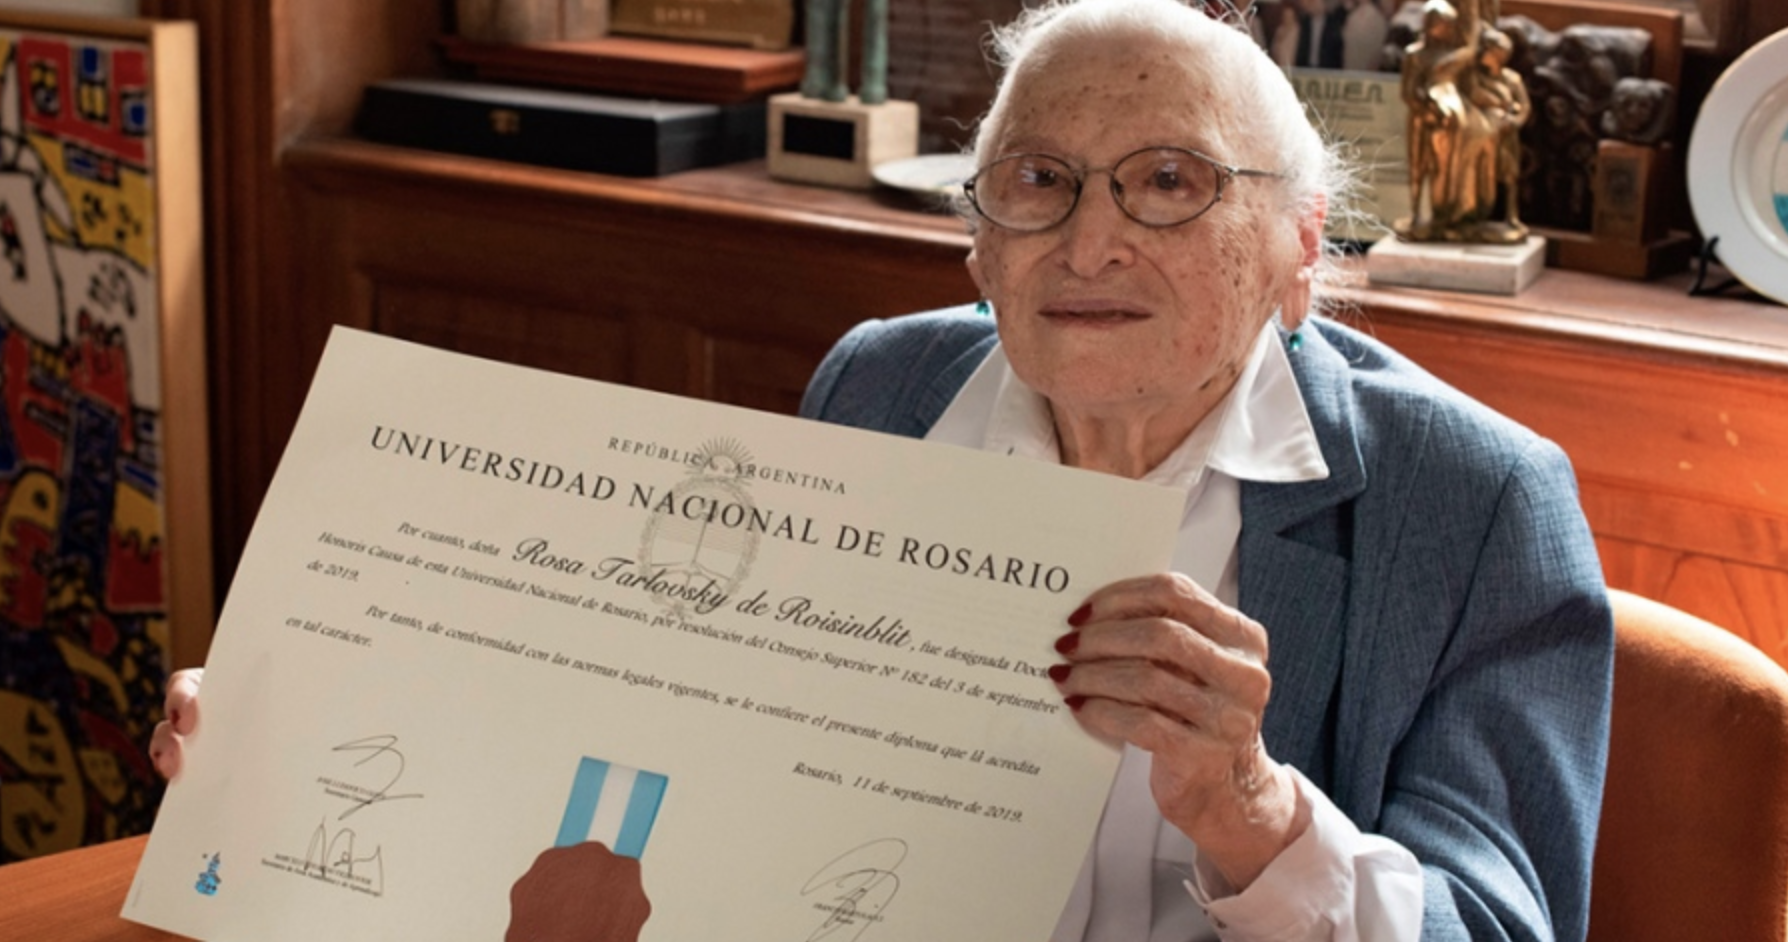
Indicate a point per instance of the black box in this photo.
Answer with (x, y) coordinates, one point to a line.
(572, 130)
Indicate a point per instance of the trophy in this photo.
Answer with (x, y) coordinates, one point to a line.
(1466, 110)
(823, 134)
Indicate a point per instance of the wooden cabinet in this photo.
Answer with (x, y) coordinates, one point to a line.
(722, 284)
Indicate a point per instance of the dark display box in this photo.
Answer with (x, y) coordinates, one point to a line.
(570, 130)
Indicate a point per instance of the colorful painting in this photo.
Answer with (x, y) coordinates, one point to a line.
(85, 596)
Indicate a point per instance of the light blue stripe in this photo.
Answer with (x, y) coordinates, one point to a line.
(642, 810)
(1782, 209)
(580, 808)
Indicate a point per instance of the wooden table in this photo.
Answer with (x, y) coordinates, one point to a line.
(74, 896)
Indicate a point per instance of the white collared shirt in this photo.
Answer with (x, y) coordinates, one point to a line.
(1143, 879)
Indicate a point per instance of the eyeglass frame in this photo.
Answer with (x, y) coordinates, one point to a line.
(1079, 176)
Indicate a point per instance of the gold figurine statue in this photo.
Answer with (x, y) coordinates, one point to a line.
(1466, 109)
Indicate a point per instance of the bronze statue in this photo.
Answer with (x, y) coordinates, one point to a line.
(828, 51)
(1466, 108)
(1493, 150)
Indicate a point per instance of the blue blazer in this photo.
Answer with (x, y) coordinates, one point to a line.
(1442, 649)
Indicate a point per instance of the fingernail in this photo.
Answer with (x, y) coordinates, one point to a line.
(1080, 615)
(1067, 643)
(1059, 672)
(1075, 702)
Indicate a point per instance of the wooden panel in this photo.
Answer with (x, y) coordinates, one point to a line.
(1752, 536)
(1718, 435)
(1653, 426)
(1749, 601)
(725, 270)
(758, 375)
(578, 343)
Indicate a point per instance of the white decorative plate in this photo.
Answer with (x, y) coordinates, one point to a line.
(1738, 167)
(926, 174)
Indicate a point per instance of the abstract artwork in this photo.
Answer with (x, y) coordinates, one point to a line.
(92, 384)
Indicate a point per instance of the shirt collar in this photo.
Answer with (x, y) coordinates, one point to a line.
(1260, 431)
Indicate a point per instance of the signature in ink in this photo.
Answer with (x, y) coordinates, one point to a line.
(335, 856)
(854, 887)
(383, 748)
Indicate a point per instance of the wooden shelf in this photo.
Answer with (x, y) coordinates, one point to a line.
(1658, 317)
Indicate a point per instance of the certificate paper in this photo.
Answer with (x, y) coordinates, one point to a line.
(515, 655)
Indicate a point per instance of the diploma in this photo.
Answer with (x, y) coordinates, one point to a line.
(515, 655)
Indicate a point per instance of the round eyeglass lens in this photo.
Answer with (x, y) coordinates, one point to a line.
(1026, 191)
(1165, 186)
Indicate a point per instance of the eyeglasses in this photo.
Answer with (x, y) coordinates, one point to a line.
(1158, 187)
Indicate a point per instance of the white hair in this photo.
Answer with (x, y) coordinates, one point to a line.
(1264, 114)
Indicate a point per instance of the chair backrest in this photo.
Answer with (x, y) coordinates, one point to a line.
(1694, 829)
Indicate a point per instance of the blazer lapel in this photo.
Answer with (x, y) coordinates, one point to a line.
(1295, 566)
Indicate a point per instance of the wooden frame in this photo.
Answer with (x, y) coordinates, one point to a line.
(105, 531)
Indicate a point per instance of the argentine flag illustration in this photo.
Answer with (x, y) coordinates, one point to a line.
(611, 804)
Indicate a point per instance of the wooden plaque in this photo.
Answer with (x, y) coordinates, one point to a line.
(626, 65)
(1629, 193)
(760, 24)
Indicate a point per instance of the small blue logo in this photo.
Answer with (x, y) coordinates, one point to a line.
(209, 880)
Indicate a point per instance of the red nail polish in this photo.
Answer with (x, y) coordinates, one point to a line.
(1067, 643)
(1075, 702)
(1059, 672)
(1080, 615)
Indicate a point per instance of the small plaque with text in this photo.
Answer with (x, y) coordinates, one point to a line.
(760, 24)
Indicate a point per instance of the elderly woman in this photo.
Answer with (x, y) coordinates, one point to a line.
(1422, 756)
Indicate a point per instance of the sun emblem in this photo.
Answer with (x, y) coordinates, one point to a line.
(723, 458)
(691, 553)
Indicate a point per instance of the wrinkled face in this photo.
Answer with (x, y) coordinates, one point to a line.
(1102, 313)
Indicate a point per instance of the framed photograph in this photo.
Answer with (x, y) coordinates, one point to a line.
(105, 538)
(1365, 114)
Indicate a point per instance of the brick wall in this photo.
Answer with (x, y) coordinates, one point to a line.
(935, 58)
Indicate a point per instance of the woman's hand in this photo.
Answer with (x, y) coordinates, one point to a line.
(182, 711)
(1159, 663)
